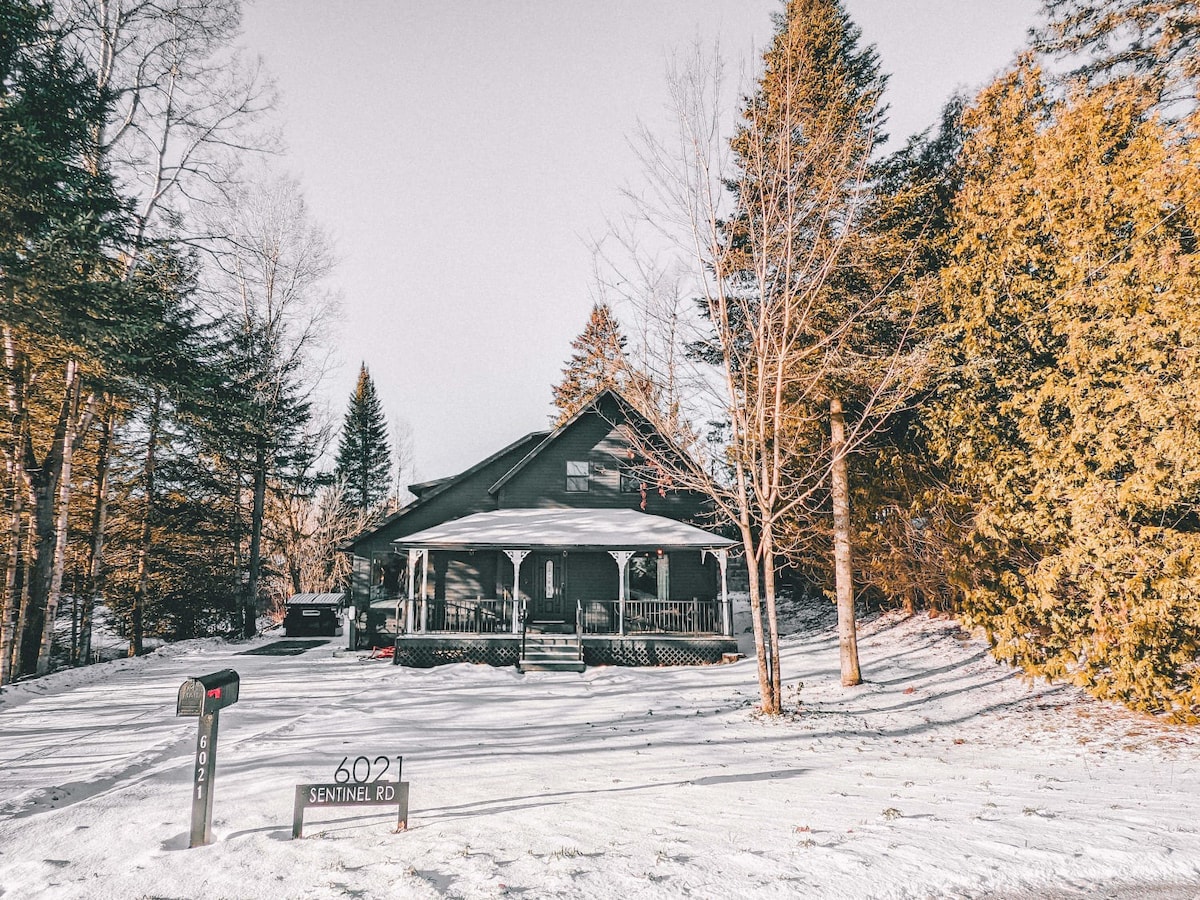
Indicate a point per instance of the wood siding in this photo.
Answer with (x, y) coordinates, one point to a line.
(462, 498)
(542, 482)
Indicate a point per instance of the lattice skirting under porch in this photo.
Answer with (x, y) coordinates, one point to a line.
(656, 651)
(427, 652)
(424, 652)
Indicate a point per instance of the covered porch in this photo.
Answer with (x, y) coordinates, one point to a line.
(633, 588)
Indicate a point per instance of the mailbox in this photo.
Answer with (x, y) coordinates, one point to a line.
(204, 697)
(206, 694)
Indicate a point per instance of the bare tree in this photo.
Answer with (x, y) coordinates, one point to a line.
(747, 335)
(186, 110)
(187, 107)
(271, 290)
(771, 222)
(309, 531)
(403, 455)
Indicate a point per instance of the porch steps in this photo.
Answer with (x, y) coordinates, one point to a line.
(551, 653)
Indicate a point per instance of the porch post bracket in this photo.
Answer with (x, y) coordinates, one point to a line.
(622, 557)
(517, 557)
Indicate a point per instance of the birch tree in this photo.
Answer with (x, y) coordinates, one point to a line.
(185, 109)
(60, 225)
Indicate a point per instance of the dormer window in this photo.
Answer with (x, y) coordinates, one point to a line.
(577, 475)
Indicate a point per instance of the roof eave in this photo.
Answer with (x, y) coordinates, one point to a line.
(438, 488)
(716, 544)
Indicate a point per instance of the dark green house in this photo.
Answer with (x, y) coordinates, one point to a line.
(608, 567)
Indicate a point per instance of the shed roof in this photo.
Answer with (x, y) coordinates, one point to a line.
(315, 599)
(563, 529)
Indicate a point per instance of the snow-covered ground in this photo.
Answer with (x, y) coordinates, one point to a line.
(944, 775)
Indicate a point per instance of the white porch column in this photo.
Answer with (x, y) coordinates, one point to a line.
(726, 610)
(722, 558)
(425, 591)
(409, 613)
(517, 557)
(622, 557)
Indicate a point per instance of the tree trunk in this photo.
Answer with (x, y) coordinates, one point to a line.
(61, 518)
(94, 588)
(13, 570)
(250, 611)
(141, 588)
(45, 495)
(25, 577)
(756, 621)
(11, 600)
(842, 563)
(768, 551)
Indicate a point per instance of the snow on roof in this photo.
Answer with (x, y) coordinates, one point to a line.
(598, 529)
(315, 599)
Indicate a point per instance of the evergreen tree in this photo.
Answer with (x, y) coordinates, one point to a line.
(901, 521)
(277, 263)
(61, 311)
(1111, 39)
(803, 241)
(598, 362)
(1069, 407)
(364, 457)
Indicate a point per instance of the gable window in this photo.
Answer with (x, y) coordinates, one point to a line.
(577, 475)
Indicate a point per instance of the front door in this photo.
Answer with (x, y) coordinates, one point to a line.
(548, 581)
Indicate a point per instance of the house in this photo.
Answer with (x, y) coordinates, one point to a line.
(609, 567)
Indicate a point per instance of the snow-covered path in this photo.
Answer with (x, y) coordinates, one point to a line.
(944, 775)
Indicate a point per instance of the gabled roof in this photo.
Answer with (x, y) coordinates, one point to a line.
(536, 442)
(628, 411)
(563, 529)
(430, 489)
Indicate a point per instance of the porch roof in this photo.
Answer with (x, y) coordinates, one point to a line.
(563, 529)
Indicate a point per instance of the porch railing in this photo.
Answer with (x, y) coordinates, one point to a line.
(467, 616)
(650, 617)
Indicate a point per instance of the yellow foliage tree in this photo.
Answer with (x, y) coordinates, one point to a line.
(1070, 412)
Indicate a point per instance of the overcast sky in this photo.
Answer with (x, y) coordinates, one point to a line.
(463, 154)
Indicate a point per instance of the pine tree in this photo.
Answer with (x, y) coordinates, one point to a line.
(61, 312)
(804, 244)
(364, 457)
(598, 362)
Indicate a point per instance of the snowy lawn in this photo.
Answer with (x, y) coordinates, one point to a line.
(944, 775)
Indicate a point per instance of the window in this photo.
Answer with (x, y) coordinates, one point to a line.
(647, 577)
(631, 482)
(577, 475)
(387, 571)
